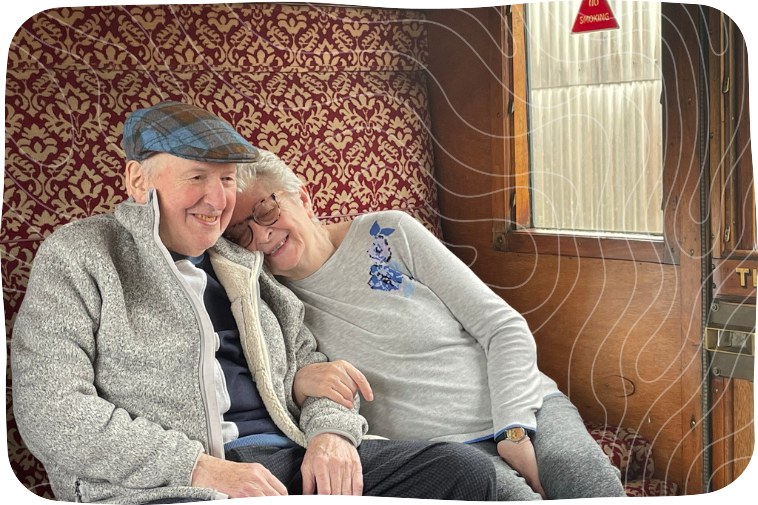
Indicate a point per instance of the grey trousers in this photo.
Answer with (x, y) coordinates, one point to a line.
(400, 469)
(571, 464)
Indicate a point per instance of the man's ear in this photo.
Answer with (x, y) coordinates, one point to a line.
(305, 199)
(136, 182)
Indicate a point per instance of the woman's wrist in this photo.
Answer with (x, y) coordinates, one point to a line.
(514, 434)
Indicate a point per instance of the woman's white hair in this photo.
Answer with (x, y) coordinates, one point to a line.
(272, 171)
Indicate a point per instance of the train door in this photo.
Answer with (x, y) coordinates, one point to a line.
(730, 328)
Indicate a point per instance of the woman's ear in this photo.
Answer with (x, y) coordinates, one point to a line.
(136, 182)
(305, 199)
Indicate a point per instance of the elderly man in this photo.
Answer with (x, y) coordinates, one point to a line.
(150, 365)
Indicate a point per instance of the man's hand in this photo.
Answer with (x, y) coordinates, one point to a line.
(520, 456)
(238, 480)
(331, 465)
(336, 380)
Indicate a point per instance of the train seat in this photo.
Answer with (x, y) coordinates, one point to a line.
(340, 93)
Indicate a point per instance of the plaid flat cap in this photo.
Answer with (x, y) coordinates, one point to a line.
(185, 131)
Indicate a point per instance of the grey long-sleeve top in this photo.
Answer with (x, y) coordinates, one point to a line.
(446, 357)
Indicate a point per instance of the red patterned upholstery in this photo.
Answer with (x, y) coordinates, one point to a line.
(632, 454)
(652, 487)
(339, 93)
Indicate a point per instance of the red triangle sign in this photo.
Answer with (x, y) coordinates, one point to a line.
(594, 15)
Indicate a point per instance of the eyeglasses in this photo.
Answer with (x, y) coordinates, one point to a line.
(265, 213)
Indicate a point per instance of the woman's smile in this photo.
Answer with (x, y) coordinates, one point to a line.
(277, 250)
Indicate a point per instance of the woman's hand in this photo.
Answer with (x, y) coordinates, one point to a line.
(336, 380)
(520, 456)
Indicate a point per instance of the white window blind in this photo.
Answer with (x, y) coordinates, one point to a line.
(595, 119)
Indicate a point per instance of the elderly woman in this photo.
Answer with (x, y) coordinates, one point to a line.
(446, 358)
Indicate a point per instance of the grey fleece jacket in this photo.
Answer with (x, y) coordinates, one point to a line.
(112, 361)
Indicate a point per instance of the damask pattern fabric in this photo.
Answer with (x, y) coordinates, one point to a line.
(237, 37)
(339, 93)
(632, 454)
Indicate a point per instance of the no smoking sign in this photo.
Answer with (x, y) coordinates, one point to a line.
(594, 15)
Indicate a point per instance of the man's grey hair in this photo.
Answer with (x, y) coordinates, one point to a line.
(272, 171)
(149, 167)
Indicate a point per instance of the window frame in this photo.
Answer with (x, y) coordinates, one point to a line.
(519, 234)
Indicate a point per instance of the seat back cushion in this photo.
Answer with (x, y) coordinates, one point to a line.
(339, 93)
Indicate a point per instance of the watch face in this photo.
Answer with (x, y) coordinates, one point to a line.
(515, 434)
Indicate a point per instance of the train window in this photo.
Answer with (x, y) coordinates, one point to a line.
(593, 121)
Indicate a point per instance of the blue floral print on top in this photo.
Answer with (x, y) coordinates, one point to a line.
(386, 274)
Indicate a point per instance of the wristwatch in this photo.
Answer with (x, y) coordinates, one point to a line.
(516, 434)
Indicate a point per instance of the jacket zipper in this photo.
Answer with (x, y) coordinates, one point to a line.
(206, 399)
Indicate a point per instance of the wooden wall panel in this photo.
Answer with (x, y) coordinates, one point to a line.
(733, 429)
(722, 427)
(744, 425)
(592, 318)
(462, 121)
(595, 322)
